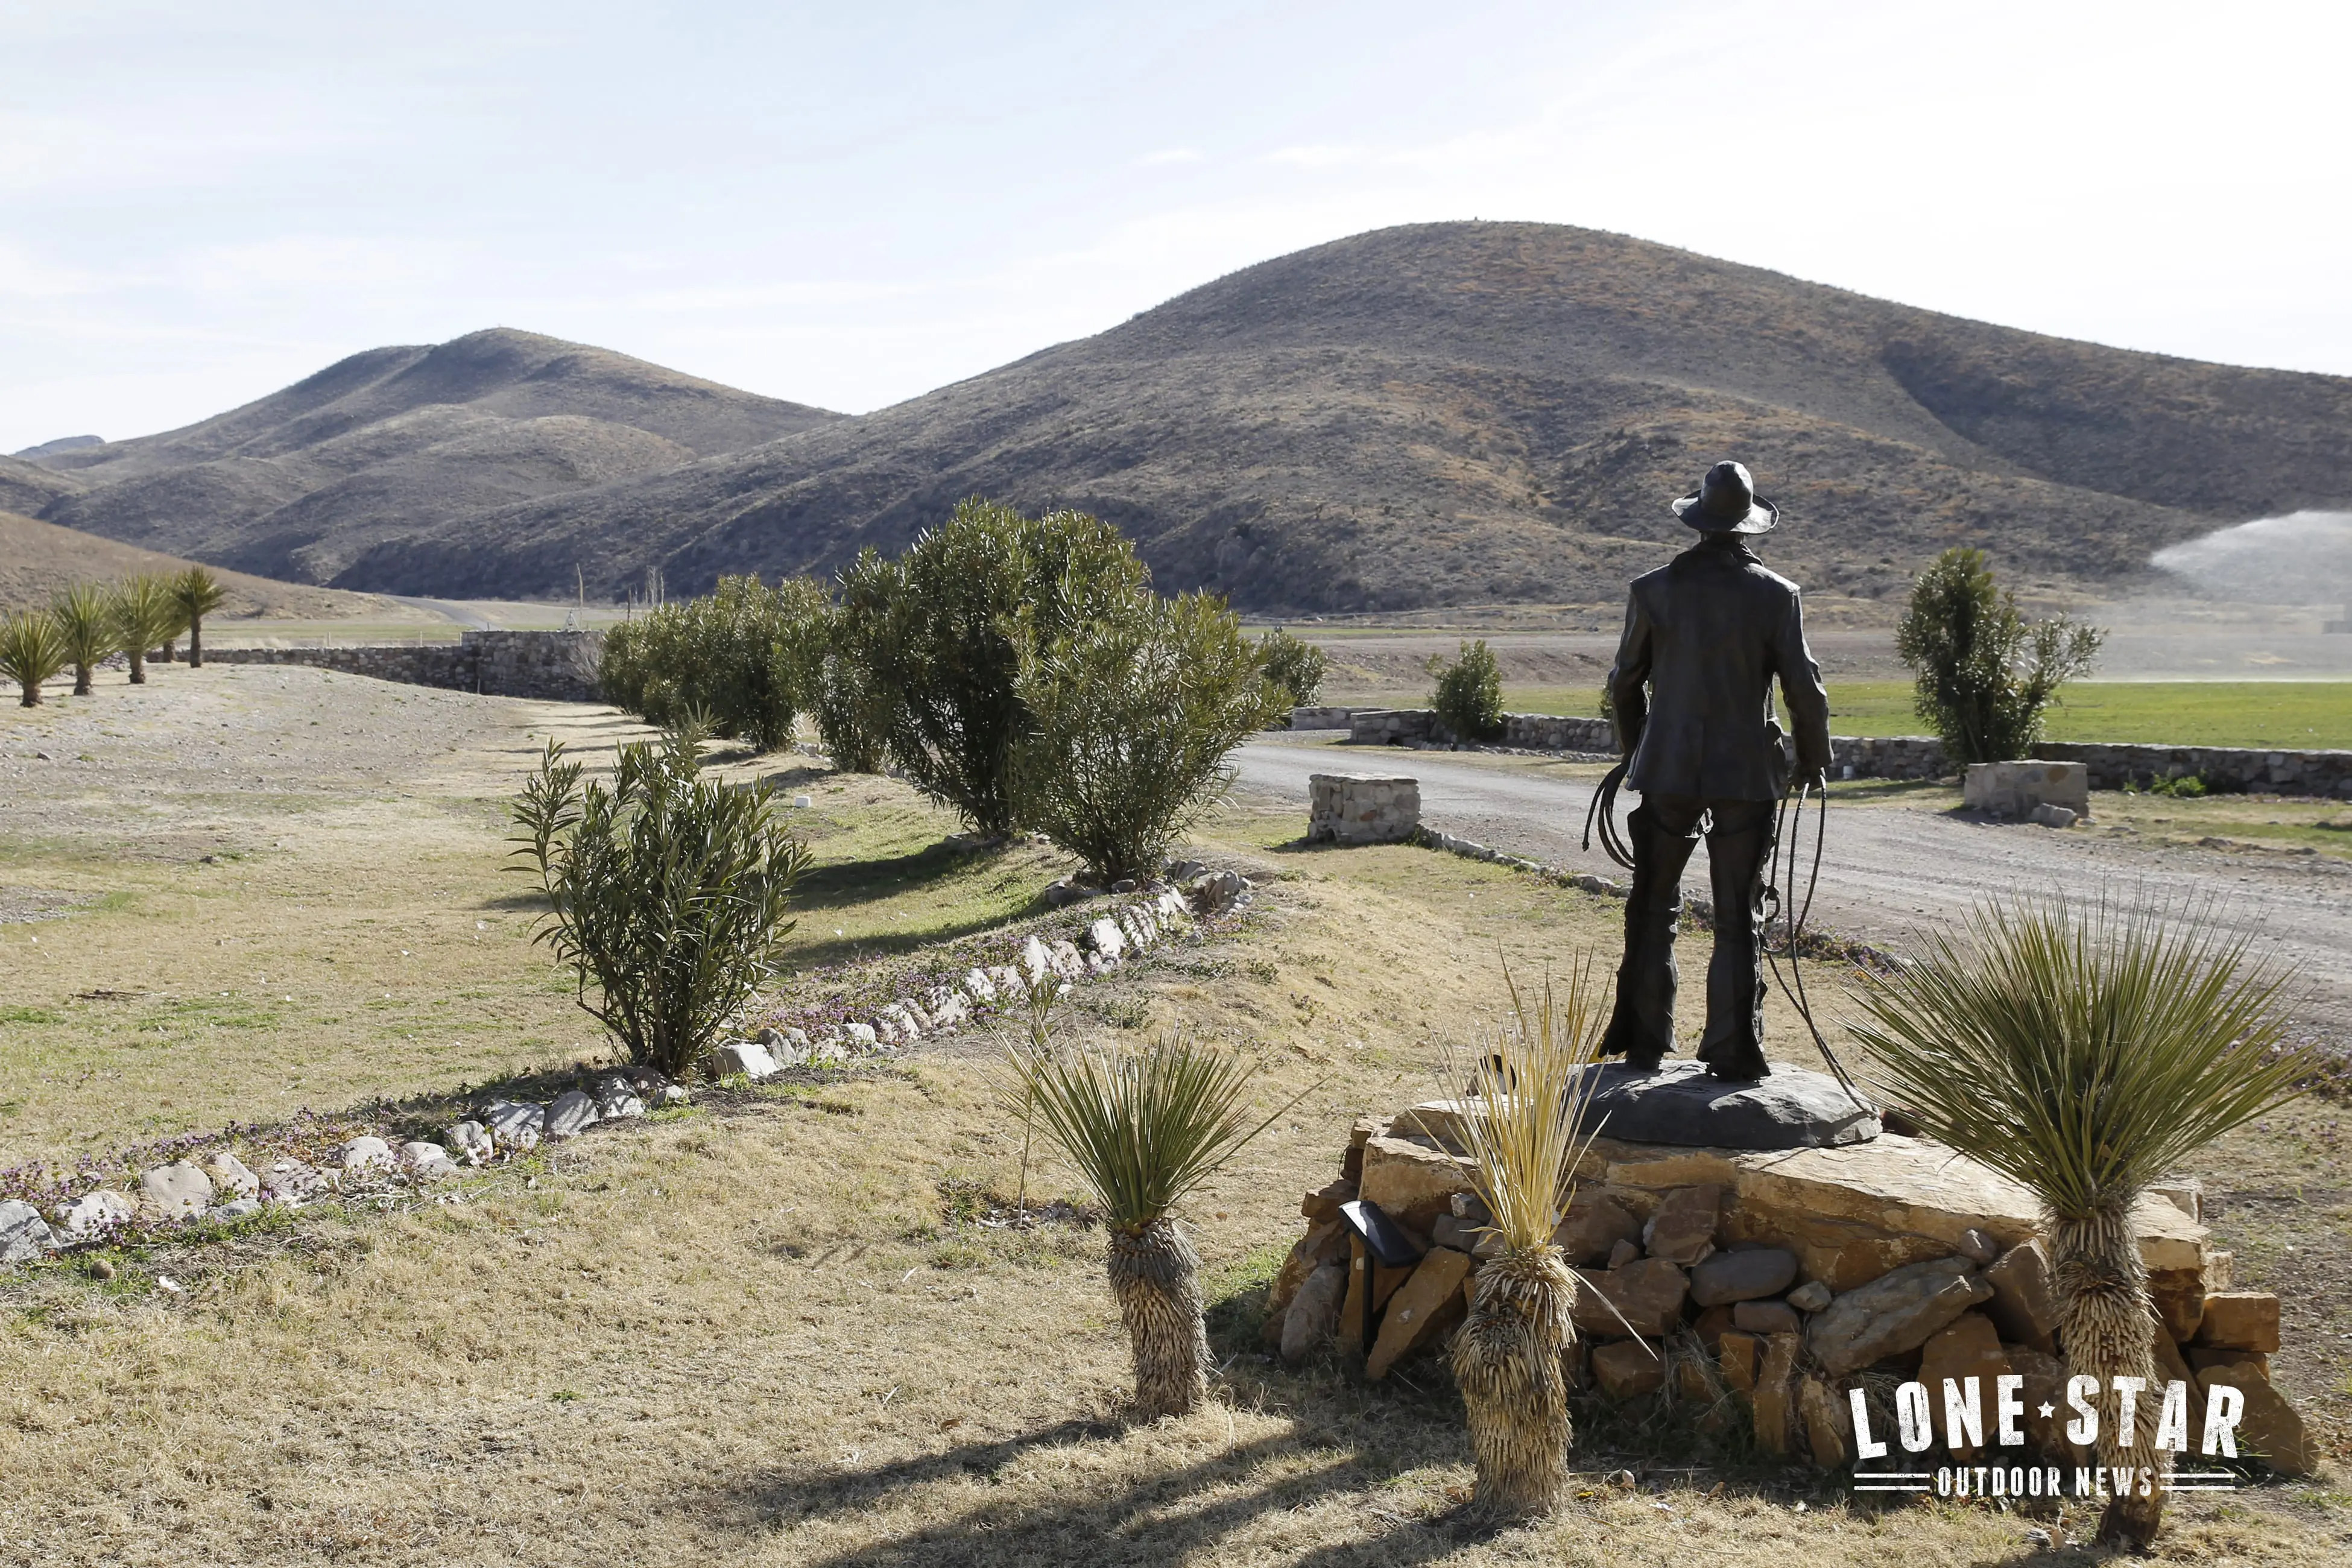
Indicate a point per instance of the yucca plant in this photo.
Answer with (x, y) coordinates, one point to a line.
(31, 649)
(145, 616)
(2083, 1051)
(86, 620)
(1526, 1138)
(667, 893)
(1144, 1127)
(198, 593)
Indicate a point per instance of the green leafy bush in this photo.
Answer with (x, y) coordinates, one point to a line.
(746, 655)
(1469, 697)
(1984, 675)
(853, 707)
(1293, 664)
(667, 893)
(1131, 716)
(942, 630)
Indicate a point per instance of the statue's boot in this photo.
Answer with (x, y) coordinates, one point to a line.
(1642, 1024)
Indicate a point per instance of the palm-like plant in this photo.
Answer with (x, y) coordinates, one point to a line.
(146, 615)
(2084, 1052)
(198, 593)
(1144, 1128)
(1533, 1091)
(86, 620)
(31, 649)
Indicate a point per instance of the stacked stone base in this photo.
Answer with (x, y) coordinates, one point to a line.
(1771, 1285)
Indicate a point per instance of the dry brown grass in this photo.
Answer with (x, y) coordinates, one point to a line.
(758, 1332)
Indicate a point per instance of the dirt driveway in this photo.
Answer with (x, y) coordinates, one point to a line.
(1887, 868)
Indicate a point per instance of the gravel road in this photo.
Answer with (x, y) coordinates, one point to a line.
(1887, 868)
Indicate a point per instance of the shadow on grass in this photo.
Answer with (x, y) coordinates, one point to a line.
(1179, 1514)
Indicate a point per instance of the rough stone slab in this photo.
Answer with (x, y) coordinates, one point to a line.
(1682, 1229)
(2240, 1321)
(177, 1191)
(1413, 1184)
(1829, 1423)
(1314, 1313)
(1306, 1254)
(24, 1236)
(230, 1178)
(2022, 1306)
(1645, 1297)
(1628, 1369)
(1894, 1314)
(1969, 1346)
(1595, 1226)
(1425, 1306)
(571, 1113)
(2270, 1426)
(1749, 1274)
(94, 1214)
(1679, 1103)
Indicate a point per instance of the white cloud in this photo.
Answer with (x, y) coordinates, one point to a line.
(1168, 155)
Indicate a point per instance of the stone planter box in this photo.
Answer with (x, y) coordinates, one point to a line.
(1361, 808)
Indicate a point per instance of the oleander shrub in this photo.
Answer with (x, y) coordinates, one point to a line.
(1294, 664)
(1131, 716)
(746, 656)
(666, 892)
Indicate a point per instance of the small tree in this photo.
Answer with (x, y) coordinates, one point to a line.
(1294, 664)
(85, 619)
(1143, 1128)
(2082, 1055)
(1469, 697)
(743, 655)
(853, 706)
(943, 630)
(1132, 718)
(31, 649)
(198, 593)
(145, 616)
(1984, 675)
(667, 893)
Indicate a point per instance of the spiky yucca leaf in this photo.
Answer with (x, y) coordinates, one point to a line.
(31, 649)
(1532, 1091)
(1143, 1127)
(1527, 1135)
(2081, 1052)
(85, 619)
(145, 617)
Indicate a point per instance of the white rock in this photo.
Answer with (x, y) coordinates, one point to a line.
(1009, 981)
(292, 1183)
(615, 1100)
(237, 1208)
(471, 1141)
(1107, 940)
(24, 1236)
(1037, 960)
(950, 1013)
(884, 1029)
(177, 1191)
(980, 987)
(515, 1128)
(428, 1159)
(92, 1214)
(899, 1013)
(571, 1113)
(745, 1059)
(1170, 906)
(366, 1153)
(674, 1094)
(230, 1178)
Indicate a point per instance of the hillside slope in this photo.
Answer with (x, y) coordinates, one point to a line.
(37, 559)
(300, 483)
(1460, 413)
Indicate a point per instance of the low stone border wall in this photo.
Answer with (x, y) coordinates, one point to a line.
(2108, 766)
(1767, 1287)
(551, 665)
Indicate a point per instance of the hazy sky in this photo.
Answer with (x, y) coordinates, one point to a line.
(851, 204)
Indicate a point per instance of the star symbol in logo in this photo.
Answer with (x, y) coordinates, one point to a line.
(2048, 1411)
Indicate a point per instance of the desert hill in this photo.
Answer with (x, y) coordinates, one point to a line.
(37, 559)
(300, 483)
(1443, 414)
(1460, 412)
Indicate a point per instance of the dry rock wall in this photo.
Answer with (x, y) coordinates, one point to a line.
(551, 665)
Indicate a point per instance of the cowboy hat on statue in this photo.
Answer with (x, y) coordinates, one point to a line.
(1706, 634)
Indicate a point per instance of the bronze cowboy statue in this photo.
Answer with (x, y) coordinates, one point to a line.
(1706, 636)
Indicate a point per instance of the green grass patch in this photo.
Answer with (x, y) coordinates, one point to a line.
(2297, 715)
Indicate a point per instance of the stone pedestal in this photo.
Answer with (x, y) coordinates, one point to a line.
(2016, 789)
(1361, 808)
